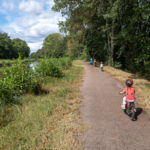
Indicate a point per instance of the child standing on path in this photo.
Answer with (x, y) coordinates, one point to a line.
(91, 61)
(95, 62)
(101, 66)
(130, 93)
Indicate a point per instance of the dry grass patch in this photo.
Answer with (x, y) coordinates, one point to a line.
(142, 86)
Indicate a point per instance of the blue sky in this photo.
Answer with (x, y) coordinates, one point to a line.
(29, 20)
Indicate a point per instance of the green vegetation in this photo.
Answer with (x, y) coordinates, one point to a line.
(115, 32)
(15, 81)
(12, 48)
(20, 47)
(54, 45)
(19, 79)
(47, 121)
(47, 67)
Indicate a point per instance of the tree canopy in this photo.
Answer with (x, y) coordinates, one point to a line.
(54, 45)
(11, 48)
(114, 31)
(21, 47)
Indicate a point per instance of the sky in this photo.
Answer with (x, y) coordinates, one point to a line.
(29, 20)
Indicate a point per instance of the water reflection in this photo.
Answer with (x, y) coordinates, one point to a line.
(33, 65)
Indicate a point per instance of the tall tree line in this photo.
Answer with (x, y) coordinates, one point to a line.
(12, 48)
(54, 45)
(112, 31)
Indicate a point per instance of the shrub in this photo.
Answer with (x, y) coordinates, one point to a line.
(47, 67)
(65, 62)
(117, 65)
(17, 79)
(6, 93)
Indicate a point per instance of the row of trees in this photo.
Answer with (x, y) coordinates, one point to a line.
(54, 45)
(11, 48)
(112, 31)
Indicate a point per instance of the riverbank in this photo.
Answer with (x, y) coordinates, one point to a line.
(49, 120)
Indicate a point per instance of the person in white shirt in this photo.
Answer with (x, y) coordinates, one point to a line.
(101, 66)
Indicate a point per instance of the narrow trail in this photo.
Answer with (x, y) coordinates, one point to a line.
(110, 128)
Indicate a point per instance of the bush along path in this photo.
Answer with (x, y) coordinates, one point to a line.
(46, 119)
(109, 127)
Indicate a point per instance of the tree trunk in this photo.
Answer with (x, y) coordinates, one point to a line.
(112, 42)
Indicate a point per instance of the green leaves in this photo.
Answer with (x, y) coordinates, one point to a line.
(53, 67)
(116, 31)
(17, 80)
(47, 67)
(11, 48)
(21, 47)
(54, 45)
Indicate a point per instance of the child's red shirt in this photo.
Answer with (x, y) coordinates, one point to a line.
(130, 93)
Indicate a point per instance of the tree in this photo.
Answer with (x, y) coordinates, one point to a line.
(116, 30)
(6, 49)
(54, 45)
(38, 54)
(20, 47)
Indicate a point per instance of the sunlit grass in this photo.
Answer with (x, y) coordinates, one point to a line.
(47, 121)
(142, 86)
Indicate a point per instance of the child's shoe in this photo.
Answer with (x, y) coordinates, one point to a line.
(123, 106)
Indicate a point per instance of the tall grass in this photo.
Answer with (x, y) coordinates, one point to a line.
(47, 121)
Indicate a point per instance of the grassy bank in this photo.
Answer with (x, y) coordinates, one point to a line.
(48, 121)
(142, 86)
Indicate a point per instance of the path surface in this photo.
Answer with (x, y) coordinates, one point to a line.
(110, 128)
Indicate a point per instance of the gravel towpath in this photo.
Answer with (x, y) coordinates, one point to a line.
(109, 127)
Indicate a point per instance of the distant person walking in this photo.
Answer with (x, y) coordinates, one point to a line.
(101, 66)
(91, 61)
(95, 62)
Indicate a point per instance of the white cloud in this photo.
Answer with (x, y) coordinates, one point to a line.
(36, 24)
(50, 3)
(8, 5)
(31, 6)
(35, 46)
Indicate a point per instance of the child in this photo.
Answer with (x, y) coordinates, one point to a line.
(91, 61)
(101, 66)
(95, 62)
(130, 93)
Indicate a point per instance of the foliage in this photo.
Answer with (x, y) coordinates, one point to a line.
(38, 54)
(54, 45)
(17, 80)
(65, 62)
(6, 49)
(11, 48)
(112, 31)
(47, 67)
(21, 47)
(53, 66)
(47, 115)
